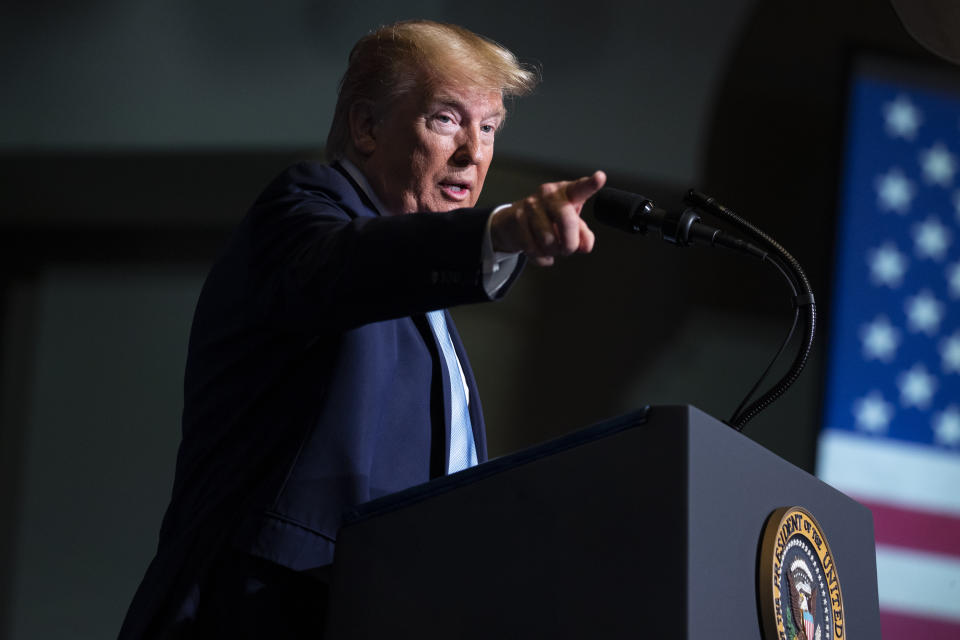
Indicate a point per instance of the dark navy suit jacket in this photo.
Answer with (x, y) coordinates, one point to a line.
(313, 381)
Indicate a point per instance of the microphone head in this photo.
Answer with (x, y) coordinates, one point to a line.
(621, 209)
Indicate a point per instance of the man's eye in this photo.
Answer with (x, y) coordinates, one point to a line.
(442, 119)
(488, 128)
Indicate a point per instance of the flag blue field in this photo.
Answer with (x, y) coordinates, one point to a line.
(891, 436)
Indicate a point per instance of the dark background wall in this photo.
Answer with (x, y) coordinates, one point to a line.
(134, 135)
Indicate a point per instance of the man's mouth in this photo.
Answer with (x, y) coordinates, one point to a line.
(455, 190)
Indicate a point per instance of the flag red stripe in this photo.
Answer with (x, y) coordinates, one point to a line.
(920, 530)
(897, 626)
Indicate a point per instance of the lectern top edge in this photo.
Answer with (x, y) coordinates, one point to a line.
(444, 484)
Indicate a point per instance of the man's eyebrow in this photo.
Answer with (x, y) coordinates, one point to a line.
(459, 105)
(501, 113)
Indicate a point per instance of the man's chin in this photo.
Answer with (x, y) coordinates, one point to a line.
(446, 206)
(441, 205)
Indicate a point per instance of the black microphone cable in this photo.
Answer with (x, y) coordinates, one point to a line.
(803, 300)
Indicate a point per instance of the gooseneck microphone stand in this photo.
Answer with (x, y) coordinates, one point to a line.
(635, 214)
(803, 303)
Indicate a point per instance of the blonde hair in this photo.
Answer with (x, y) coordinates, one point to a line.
(391, 61)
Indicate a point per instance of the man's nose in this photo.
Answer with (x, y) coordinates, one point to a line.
(469, 149)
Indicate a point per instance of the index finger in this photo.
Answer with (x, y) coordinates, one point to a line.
(580, 190)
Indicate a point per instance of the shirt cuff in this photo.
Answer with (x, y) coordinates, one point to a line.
(497, 266)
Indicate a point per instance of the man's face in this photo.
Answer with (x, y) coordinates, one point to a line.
(432, 150)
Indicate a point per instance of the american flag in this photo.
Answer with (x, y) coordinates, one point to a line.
(891, 436)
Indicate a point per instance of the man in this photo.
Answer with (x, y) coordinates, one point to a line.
(322, 371)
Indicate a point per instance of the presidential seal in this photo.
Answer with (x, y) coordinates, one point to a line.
(799, 589)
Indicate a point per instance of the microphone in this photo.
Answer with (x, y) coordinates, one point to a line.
(634, 213)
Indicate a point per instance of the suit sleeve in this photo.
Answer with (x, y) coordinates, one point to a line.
(316, 259)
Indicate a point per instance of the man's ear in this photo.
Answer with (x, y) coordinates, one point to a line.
(363, 127)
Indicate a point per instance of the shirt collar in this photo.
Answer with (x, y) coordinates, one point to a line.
(364, 184)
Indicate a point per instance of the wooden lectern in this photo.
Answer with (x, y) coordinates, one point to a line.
(644, 526)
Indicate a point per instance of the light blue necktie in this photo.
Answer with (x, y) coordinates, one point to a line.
(463, 450)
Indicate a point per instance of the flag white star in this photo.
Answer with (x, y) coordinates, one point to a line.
(950, 353)
(894, 191)
(953, 279)
(946, 426)
(880, 339)
(917, 387)
(887, 265)
(924, 313)
(938, 165)
(872, 413)
(931, 239)
(901, 118)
